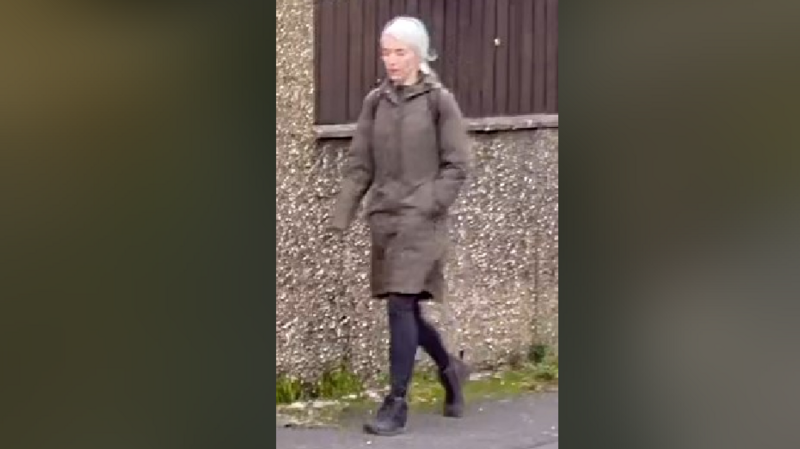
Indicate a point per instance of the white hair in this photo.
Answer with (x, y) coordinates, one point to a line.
(412, 32)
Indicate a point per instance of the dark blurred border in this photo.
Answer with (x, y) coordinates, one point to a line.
(136, 224)
(679, 217)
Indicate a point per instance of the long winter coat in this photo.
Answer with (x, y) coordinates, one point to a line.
(410, 151)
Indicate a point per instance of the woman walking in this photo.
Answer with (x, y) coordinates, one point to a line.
(410, 150)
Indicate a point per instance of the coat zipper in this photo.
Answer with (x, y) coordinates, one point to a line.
(399, 129)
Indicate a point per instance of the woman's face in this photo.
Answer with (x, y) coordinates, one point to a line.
(400, 61)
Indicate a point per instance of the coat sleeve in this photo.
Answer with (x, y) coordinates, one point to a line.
(454, 151)
(358, 169)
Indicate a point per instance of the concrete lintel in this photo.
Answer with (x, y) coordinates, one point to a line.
(475, 125)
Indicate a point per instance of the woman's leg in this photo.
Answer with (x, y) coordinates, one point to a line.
(453, 373)
(403, 340)
(430, 339)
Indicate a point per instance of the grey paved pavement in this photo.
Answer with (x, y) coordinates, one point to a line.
(522, 423)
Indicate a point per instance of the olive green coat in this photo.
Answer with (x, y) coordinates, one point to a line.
(410, 152)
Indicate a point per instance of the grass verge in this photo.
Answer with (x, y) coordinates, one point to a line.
(340, 396)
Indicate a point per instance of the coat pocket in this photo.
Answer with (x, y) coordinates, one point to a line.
(427, 199)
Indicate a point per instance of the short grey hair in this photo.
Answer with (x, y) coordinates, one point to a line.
(413, 33)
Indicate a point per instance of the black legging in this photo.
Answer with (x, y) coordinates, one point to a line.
(408, 330)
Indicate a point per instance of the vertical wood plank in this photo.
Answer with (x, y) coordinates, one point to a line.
(356, 59)
(317, 66)
(371, 51)
(341, 49)
(327, 62)
(514, 63)
(540, 57)
(412, 8)
(489, 55)
(552, 56)
(438, 23)
(527, 58)
(501, 68)
(465, 56)
(478, 59)
(383, 16)
(398, 8)
(449, 71)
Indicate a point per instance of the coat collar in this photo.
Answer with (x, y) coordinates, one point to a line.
(426, 84)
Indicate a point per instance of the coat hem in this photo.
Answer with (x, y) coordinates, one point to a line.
(425, 295)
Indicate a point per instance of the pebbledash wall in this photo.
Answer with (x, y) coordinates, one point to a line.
(503, 270)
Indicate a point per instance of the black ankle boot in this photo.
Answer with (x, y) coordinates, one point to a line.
(453, 379)
(390, 419)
